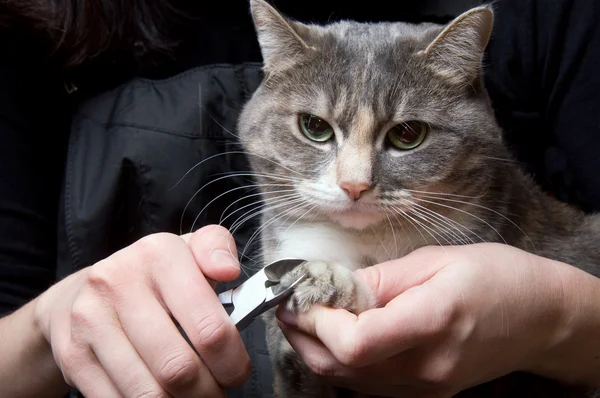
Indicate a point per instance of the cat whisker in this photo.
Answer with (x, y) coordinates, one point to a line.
(297, 219)
(449, 236)
(263, 200)
(216, 180)
(235, 153)
(442, 226)
(288, 228)
(395, 213)
(381, 244)
(464, 212)
(501, 159)
(260, 209)
(393, 235)
(453, 235)
(204, 161)
(490, 210)
(207, 112)
(238, 223)
(263, 206)
(219, 196)
(266, 224)
(430, 227)
(411, 244)
(262, 174)
(448, 221)
(403, 214)
(445, 194)
(427, 229)
(314, 217)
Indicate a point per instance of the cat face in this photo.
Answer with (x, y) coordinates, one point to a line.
(352, 120)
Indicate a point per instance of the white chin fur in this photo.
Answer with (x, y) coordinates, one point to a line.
(356, 219)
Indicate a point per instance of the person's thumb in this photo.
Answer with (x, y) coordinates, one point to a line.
(392, 278)
(215, 252)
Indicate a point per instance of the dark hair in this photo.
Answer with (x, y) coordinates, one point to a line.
(78, 30)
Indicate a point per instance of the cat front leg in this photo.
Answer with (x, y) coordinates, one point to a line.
(328, 283)
(331, 284)
(332, 256)
(292, 378)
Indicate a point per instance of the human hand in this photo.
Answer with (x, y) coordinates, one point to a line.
(449, 318)
(111, 330)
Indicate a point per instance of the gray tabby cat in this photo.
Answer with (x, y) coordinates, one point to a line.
(371, 140)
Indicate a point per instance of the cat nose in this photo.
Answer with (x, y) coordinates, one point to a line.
(355, 189)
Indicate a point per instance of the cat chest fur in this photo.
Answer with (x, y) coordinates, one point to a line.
(332, 243)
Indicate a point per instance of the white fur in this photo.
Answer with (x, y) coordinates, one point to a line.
(330, 243)
(356, 219)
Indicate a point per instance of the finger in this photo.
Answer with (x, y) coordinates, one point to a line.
(322, 362)
(119, 359)
(314, 354)
(377, 334)
(186, 237)
(78, 364)
(93, 382)
(388, 280)
(215, 252)
(169, 358)
(194, 304)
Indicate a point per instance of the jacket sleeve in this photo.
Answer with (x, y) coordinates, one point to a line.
(32, 151)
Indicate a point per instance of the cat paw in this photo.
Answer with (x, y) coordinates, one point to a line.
(329, 284)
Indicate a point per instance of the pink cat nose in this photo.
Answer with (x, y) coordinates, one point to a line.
(354, 189)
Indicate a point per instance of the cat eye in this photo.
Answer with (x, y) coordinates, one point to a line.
(407, 135)
(315, 128)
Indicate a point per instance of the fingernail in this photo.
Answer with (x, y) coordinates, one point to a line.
(286, 316)
(224, 258)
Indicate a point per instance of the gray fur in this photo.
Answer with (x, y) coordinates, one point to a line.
(363, 79)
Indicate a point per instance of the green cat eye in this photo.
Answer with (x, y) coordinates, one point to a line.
(315, 128)
(407, 135)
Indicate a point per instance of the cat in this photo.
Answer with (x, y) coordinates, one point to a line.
(370, 140)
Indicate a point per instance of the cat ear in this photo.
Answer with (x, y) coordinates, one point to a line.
(457, 52)
(279, 38)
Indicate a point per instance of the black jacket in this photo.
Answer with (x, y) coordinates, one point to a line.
(131, 172)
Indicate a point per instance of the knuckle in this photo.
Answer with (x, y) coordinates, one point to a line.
(151, 245)
(143, 388)
(238, 375)
(151, 393)
(69, 362)
(212, 331)
(102, 277)
(442, 319)
(353, 351)
(439, 373)
(214, 229)
(73, 364)
(448, 317)
(147, 249)
(83, 315)
(321, 366)
(150, 249)
(179, 370)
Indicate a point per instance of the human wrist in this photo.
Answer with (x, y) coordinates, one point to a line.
(570, 350)
(26, 352)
